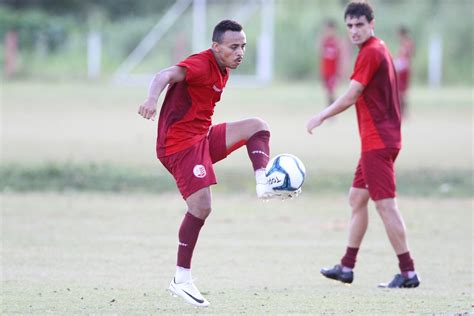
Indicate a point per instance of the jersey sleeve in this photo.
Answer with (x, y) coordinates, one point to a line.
(366, 66)
(197, 69)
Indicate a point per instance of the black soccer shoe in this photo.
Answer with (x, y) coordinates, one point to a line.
(336, 273)
(399, 281)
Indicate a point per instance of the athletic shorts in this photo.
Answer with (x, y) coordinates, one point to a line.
(330, 82)
(192, 168)
(403, 80)
(376, 173)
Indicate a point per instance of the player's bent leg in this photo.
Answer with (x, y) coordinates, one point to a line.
(239, 132)
(254, 133)
(199, 203)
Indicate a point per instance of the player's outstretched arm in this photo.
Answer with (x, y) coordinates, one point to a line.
(340, 105)
(167, 76)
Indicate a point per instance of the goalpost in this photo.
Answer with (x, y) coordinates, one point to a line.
(264, 61)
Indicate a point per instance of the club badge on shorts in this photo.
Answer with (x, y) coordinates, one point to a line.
(199, 171)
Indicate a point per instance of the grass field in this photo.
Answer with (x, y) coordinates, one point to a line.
(89, 217)
(115, 254)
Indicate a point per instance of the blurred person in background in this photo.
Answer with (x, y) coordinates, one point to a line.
(330, 59)
(406, 51)
(188, 144)
(373, 89)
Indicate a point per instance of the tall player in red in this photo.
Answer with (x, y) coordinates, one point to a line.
(373, 89)
(330, 54)
(188, 144)
(406, 50)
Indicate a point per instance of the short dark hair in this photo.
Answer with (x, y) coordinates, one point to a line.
(358, 9)
(224, 26)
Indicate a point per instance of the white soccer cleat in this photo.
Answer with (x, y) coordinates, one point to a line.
(189, 292)
(265, 192)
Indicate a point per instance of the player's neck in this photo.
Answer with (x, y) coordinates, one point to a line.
(222, 67)
(362, 44)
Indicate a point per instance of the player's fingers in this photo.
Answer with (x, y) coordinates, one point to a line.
(141, 111)
(150, 114)
(145, 113)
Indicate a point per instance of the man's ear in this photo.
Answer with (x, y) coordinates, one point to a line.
(215, 46)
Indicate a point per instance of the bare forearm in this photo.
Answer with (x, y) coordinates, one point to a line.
(340, 105)
(157, 85)
(169, 75)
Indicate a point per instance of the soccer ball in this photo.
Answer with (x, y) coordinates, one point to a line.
(285, 172)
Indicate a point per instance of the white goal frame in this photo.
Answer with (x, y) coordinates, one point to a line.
(264, 64)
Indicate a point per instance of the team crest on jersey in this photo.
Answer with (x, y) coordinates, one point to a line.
(199, 171)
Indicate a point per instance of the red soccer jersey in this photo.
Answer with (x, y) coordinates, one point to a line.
(186, 113)
(329, 56)
(378, 107)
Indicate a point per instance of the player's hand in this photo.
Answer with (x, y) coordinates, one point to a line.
(148, 109)
(314, 122)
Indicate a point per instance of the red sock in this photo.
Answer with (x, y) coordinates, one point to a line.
(188, 235)
(258, 148)
(349, 258)
(405, 262)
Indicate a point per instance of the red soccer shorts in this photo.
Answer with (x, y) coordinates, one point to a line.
(330, 82)
(403, 80)
(192, 168)
(376, 173)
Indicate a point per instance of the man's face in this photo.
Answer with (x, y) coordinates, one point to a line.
(230, 52)
(359, 29)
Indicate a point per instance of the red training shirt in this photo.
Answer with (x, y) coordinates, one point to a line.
(378, 107)
(186, 113)
(330, 53)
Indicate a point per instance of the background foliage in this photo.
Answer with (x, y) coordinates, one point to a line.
(53, 34)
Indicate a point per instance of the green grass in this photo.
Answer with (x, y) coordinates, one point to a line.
(118, 179)
(115, 254)
(90, 217)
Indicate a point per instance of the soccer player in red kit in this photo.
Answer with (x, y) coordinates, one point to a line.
(188, 144)
(406, 50)
(330, 54)
(373, 89)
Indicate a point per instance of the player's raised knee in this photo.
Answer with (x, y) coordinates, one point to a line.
(259, 125)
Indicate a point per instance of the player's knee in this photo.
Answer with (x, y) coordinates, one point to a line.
(206, 212)
(384, 210)
(259, 124)
(357, 203)
(201, 212)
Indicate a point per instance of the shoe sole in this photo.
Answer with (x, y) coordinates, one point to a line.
(385, 286)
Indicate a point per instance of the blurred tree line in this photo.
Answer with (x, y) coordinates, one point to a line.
(115, 9)
(52, 34)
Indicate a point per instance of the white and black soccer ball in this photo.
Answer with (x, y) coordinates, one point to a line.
(285, 172)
